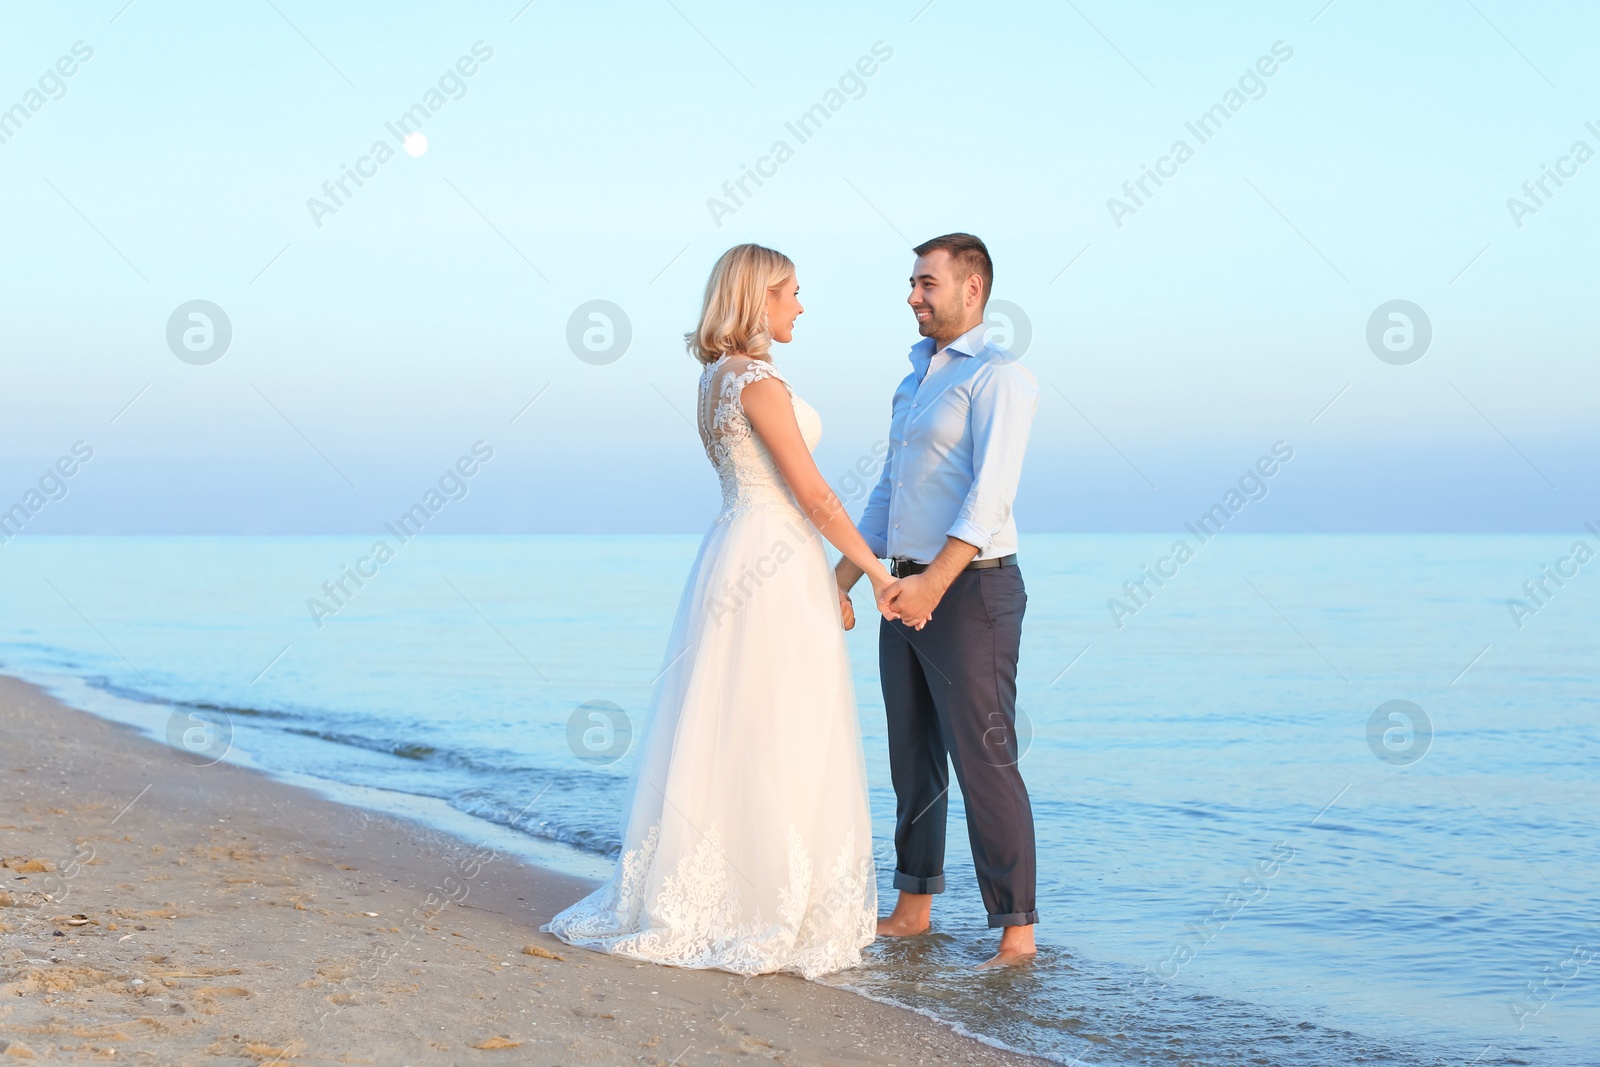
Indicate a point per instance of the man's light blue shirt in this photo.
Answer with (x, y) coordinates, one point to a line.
(956, 441)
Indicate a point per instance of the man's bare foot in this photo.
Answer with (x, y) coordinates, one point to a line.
(898, 926)
(1016, 948)
(912, 915)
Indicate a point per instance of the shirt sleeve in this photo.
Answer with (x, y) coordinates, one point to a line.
(1001, 416)
(874, 524)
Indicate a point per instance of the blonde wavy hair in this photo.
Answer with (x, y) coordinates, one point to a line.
(733, 316)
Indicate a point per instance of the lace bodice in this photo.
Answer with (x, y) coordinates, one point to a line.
(749, 476)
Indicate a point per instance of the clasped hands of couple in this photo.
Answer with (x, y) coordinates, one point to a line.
(910, 599)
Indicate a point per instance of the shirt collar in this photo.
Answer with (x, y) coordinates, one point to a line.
(970, 343)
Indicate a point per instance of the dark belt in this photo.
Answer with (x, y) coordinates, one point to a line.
(900, 566)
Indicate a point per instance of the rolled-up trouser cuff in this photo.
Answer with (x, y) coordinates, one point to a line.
(912, 884)
(1016, 918)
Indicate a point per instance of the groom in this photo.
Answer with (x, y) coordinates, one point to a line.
(942, 515)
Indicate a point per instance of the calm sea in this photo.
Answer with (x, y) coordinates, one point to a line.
(1316, 799)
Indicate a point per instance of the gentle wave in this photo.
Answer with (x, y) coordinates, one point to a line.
(573, 795)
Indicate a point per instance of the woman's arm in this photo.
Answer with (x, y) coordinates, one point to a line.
(771, 413)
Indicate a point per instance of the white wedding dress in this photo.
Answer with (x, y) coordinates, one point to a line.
(747, 845)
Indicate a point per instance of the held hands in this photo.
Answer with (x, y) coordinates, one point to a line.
(882, 584)
(911, 600)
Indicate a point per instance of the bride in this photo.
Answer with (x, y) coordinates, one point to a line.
(747, 845)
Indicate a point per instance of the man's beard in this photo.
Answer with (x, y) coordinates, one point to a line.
(937, 321)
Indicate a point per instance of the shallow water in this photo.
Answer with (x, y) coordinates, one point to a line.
(1236, 865)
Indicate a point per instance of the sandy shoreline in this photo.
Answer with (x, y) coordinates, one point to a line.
(216, 915)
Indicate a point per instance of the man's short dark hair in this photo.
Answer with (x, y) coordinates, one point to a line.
(970, 255)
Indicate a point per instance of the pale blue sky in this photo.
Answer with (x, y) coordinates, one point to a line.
(1222, 316)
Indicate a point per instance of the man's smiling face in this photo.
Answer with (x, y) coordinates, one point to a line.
(938, 296)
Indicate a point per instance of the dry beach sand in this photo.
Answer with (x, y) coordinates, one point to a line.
(154, 911)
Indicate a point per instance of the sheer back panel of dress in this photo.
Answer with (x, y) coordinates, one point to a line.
(749, 476)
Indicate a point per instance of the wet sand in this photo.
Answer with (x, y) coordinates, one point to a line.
(155, 911)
